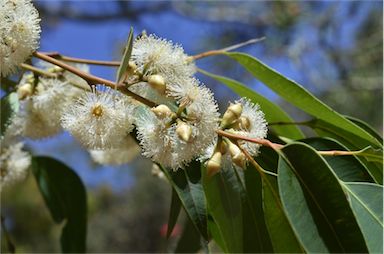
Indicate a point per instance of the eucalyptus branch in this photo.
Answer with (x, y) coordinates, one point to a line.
(233, 47)
(264, 142)
(93, 80)
(38, 71)
(59, 56)
(276, 147)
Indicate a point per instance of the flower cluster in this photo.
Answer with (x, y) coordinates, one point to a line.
(242, 118)
(180, 128)
(19, 33)
(184, 124)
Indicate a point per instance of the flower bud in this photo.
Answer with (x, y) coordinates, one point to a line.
(242, 123)
(157, 82)
(232, 114)
(237, 155)
(214, 164)
(184, 131)
(162, 111)
(24, 91)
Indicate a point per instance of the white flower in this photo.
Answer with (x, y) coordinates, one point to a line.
(173, 143)
(125, 153)
(14, 163)
(40, 113)
(19, 33)
(99, 120)
(154, 55)
(257, 127)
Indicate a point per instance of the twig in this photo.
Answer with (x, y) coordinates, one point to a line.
(38, 71)
(233, 47)
(264, 142)
(57, 55)
(276, 147)
(93, 80)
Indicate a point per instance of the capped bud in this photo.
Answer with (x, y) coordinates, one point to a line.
(214, 164)
(24, 91)
(162, 111)
(157, 82)
(132, 66)
(239, 159)
(237, 155)
(232, 114)
(242, 123)
(184, 131)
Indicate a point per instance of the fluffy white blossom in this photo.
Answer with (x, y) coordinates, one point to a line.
(19, 33)
(125, 153)
(162, 137)
(154, 55)
(99, 119)
(14, 163)
(257, 125)
(242, 118)
(40, 112)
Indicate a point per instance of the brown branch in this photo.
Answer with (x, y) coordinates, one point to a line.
(38, 71)
(264, 142)
(93, 80)
(59, 56)
(221, 51)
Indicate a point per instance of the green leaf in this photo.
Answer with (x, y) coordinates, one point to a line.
(366, 127)
(367, 203)
(65, 196)
(187, 184)
(190, 240)
(347, 168)
(173, 213)
(256, 236)
(9, 106)
(224, 205)
(273, 113)
(297, 95)
(121, 72)
(282, 236)
(352, 142)
(315, 202)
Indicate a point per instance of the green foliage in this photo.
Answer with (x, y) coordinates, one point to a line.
(9, 106)
(187, 184)
(65, 196)
(121, 72)
(314, 202)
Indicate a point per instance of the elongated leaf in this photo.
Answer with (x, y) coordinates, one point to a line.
(366, 127)
(65, 196)
(297, 95)
(190, 240)
(187, 184)
(173, 213)
(282, 236)
(9, 106)
(273, 113)
(347, 168)
(367, 203)
(256, 236)
(121, 72)
(352, 142)
(316, 204)
(224, 205)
